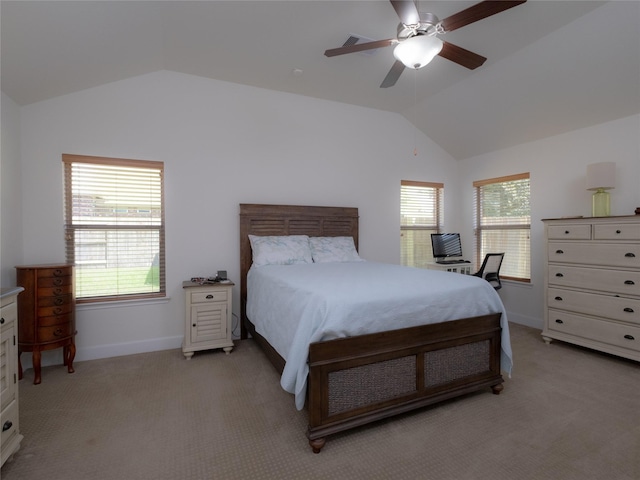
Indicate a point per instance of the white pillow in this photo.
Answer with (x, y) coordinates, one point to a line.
(333, 249)
(280, 250)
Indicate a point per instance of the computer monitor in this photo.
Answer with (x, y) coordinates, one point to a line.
(446, 245)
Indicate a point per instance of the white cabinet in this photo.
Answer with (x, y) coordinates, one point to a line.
(10, 438)
(207, 317)
(592, 283)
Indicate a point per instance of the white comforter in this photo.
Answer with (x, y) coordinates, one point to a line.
(293, 306)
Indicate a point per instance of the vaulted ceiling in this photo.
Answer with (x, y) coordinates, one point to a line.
(552, 66)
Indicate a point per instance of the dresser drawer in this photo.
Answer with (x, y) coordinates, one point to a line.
(54, 291)
(55, 310)
(614, 281)
(209, 296)
(62, 271)
(569, 232)
(9, 420)
(55, 301)
(624, 231)
(54, 333)
(55, 320)
(619, 335)
(609, 306)
(55, 282)
(606, 254)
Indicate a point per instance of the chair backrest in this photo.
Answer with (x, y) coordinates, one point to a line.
(490, 269)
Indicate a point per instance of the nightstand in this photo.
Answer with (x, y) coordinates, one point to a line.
(207, 317)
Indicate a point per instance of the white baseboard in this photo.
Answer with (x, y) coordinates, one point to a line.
(525, 320)
(54, 357)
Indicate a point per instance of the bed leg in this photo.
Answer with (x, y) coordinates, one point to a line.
(317, 444)
(497, 388)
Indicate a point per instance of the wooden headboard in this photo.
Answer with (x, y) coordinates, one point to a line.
(257, 219)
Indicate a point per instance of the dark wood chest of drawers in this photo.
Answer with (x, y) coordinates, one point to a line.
(46, 313)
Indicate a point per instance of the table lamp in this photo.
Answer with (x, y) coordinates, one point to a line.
(601, 177)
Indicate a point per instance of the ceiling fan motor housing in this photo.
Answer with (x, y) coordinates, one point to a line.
(429, 25)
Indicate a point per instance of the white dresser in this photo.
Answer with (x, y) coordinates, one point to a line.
(592, 283)
(9, 417)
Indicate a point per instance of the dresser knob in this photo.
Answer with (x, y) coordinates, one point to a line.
(58, 301)
(209, 296)
(559, 299)
(193, 325)
(628, 310)
(2, 321)
(559, 275)
(559, 252)
(629, 282)
(618, 232)
(559, 321)
(57, 272)
(629, 337)
(566, 232)
(7, 425)
(57, 282)
(630, 255)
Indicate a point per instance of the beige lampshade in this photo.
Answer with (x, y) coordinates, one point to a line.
(601, 175)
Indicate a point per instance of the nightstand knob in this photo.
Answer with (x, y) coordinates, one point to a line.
(628, 310)
(629, 282)
(559, 275)
(193, 325)
(559, 252)
(559, 299)
(7, 425)
(559, 321)
(618, 231)
(1, 320)
(629, 337)
(209, 296)
(630, 255)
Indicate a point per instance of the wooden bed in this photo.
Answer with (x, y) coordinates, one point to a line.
(357, 380)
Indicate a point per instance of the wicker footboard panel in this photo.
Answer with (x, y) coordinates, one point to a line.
(354, 381)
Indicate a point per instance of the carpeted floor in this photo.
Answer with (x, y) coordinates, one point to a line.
(567, 413)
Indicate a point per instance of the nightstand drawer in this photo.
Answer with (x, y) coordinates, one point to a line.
(608, 306)
(624, 336)
(570, 232)
(209, 296)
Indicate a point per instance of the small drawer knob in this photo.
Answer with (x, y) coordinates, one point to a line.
(629, 337)
(559, 252)
(209, 296)
(2, 321)
(559, 321)
(559, 299)
(7, 425)
(559, 275)
(630, 255)
(629, 282)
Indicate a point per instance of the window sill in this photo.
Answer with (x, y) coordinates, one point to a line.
(121, 303)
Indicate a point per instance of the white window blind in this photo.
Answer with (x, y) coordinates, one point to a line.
(114, 227)
(503, 223)
(421, 215)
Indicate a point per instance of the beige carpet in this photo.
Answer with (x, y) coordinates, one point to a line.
(567, 413)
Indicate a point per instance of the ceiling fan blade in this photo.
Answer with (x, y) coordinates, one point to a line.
(477, 12)
(407, 11)
(461, 56)
(359, 47)
(393, 75)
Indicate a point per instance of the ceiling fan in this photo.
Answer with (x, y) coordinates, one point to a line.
(417, 40)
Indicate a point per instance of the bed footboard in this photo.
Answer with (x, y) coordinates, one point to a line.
(357, 380)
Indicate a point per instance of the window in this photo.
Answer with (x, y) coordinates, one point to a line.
(503, 223)
(114, 227)
(421, 215)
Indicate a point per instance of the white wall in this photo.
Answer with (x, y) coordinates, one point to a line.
(10, 198)
(558, 181)
(222, 144)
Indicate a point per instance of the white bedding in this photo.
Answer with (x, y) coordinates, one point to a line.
(293, 306)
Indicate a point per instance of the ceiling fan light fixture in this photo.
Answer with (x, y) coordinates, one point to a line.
(418, 51)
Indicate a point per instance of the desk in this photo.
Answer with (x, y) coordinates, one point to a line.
(464, 268)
